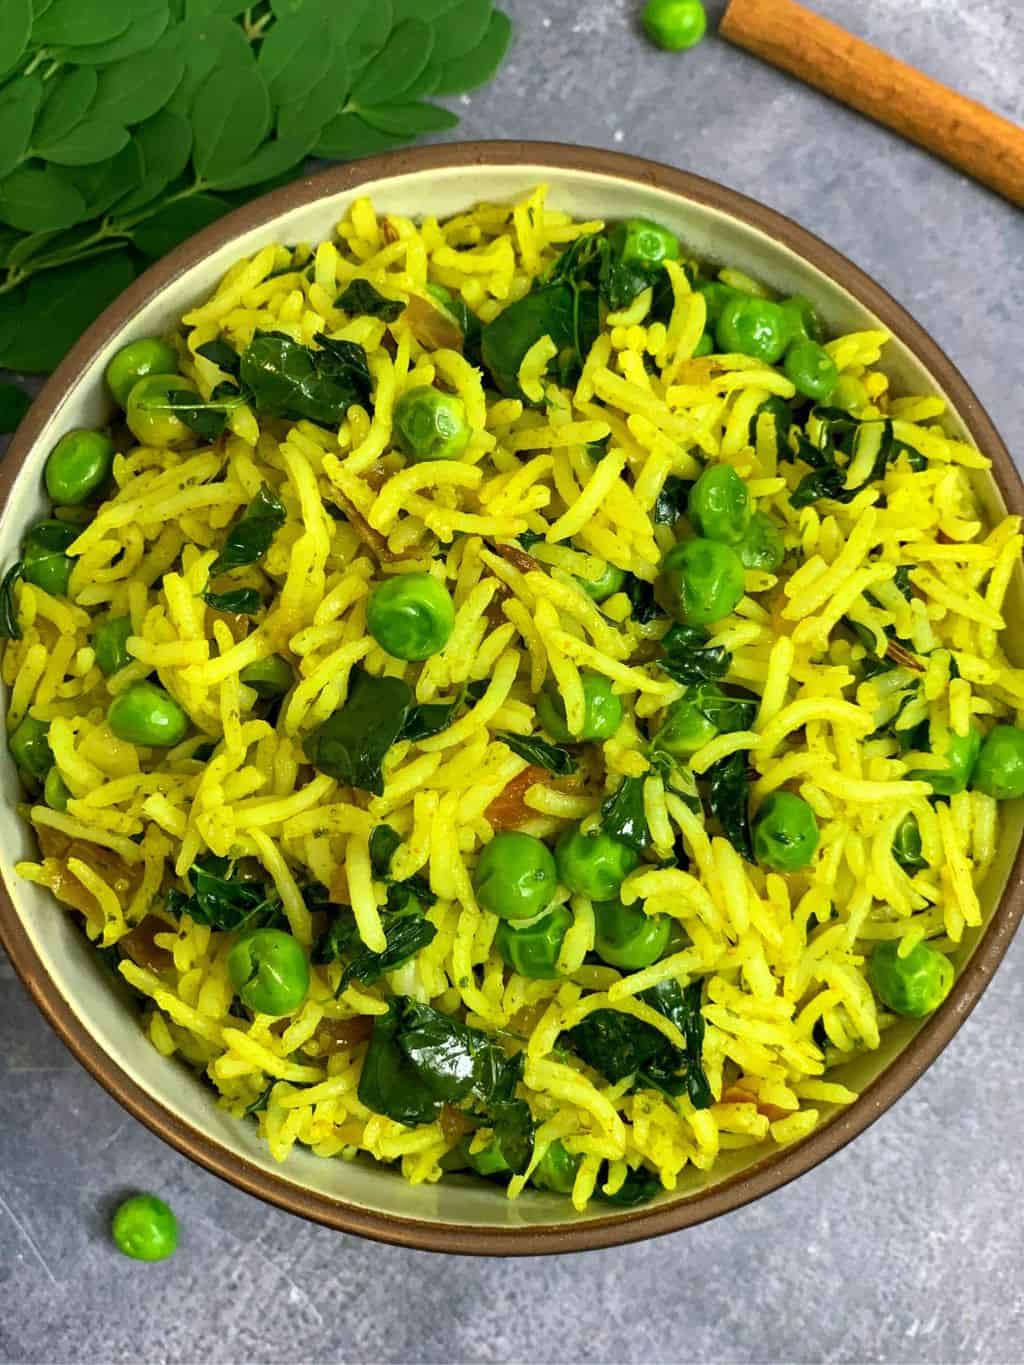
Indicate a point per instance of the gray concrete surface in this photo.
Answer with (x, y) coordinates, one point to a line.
(907, 1246)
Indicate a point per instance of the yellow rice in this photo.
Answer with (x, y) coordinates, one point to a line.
(783, 958)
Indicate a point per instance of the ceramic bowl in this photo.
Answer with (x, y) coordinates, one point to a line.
(74, 990)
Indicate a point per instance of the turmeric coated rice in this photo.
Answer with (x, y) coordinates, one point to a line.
(511, 698)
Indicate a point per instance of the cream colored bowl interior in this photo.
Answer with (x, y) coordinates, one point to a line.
(85, 984)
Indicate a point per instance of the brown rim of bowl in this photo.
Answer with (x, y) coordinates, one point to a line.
(789, 1162)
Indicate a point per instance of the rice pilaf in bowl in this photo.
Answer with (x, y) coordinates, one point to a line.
(514, 700)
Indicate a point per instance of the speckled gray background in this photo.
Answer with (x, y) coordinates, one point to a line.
(907, 1246)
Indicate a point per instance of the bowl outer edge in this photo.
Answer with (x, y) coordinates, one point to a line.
(778, 1169)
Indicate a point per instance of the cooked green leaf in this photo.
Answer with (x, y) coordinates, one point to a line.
(513, 1128)
(617, 1045)
(689, 658)
(206, 418)
(223, 355)
(558, 310)
(639, 1187)
(405, 935)
(383, 843)
(249, 538)
(641, 596)
(237, 602)
(390, 1083)
(9, 628)
(729, 799)
(536, 750)
(339, 938)
(14, 403)
(727, 713)
(671, 502)
(361, 299)
(224, 900)
(683, 1008)
(417, 889)
(622, 814)
(319, 384)
(457, 1062)
(350, 745)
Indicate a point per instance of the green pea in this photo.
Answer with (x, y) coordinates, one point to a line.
(602, 710)
(515, 876)
(411, 615)
(906, 845)
(961, 754)
(593, 865)
(999, 771)
(762, 547)
(675, 25)
(785, 833)
(150, 415)
(684, 730)
(268, 677)
(754, 327)
(145, 1229)
(705, 346)
(110, 643)
(55, 793)
(811, 369)
(703, 579)
(77, 466)
(625, 937)
(490, 1161)
(719, 505)
(430, 425)
(44, 562)
(716, 296)
(914, 985)
(643, 244)
(137, 360)
(29, 744)
(802, 318)
(269, 971)
(608, 581)
(531, 947)
(556, 1170)
(146, 715)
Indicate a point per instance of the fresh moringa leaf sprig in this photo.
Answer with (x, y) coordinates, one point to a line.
(125, 128)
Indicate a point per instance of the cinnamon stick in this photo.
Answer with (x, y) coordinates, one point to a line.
(957, 129)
